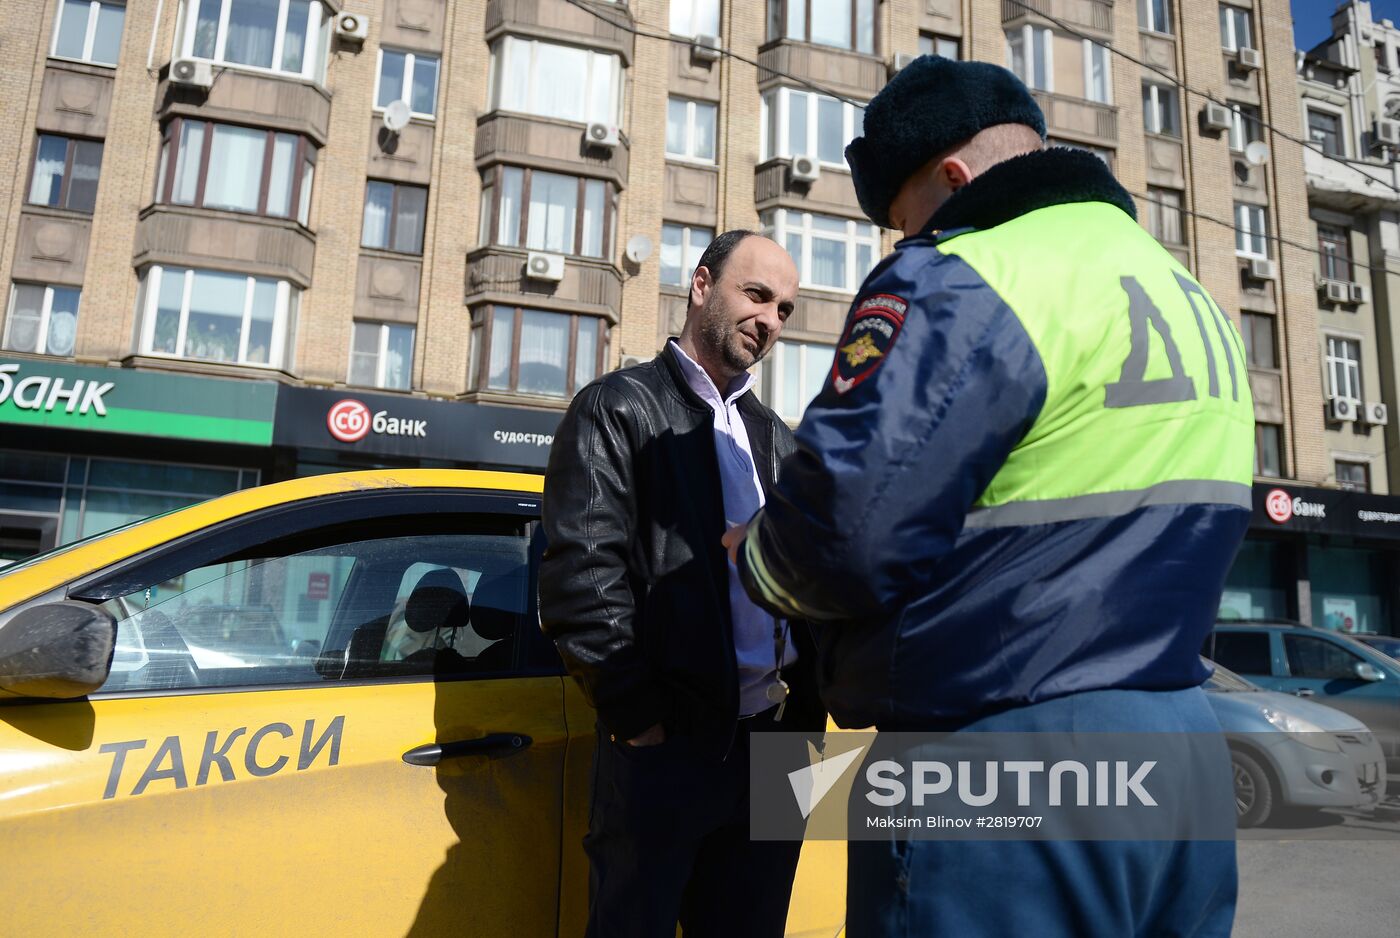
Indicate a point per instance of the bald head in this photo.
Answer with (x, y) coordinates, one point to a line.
(936, 181)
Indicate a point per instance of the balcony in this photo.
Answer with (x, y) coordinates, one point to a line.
(849, 73)
(248, 244)
(1351, 187)
(548, 144)
(496, 274)
(558, 21)
(241, 97)
(1090, 14)
(1078, 119)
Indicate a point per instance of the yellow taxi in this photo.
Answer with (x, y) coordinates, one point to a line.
(321, 706)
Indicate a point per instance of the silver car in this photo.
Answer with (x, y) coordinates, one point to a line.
(1293, 753)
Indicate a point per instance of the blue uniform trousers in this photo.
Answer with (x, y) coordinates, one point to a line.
(1049, 889)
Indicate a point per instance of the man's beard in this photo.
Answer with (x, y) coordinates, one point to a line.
(723, 339)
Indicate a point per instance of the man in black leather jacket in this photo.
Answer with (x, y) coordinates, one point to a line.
(649, 616)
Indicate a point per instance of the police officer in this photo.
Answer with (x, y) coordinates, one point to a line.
(1016, 499)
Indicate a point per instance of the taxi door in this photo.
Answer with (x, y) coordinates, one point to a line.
(327, 721)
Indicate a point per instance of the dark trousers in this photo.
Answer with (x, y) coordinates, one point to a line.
(1054, 889)
(668, 841)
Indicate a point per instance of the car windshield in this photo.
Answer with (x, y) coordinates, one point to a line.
(1228, 681)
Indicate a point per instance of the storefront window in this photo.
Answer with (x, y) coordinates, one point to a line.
(1347, 593)
(1257, 586)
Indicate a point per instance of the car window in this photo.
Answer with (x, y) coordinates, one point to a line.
(1243, 652)
(1318, 658)
(380, 607)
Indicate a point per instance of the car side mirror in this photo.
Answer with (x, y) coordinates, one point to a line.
(57, 650)
(1368, 671)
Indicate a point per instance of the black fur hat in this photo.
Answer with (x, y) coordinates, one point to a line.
(930, 105)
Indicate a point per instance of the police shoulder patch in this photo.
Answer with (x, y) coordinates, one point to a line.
(869, 336)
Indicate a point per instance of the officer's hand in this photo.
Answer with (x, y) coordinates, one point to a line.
(652, 736)
(733, 538)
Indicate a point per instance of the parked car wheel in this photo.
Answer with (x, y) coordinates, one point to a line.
(1254, 792)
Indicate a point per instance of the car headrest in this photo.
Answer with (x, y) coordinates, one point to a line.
(437, 602)
(498, 602)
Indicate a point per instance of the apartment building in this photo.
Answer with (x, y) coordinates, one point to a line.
(253, 239)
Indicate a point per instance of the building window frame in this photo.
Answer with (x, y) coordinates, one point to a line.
(1343, 363)
(1338, 137)
(93, 28)
(940, 44)
(394, 217)
(1233, 21)
(1259, 332)
(1268, 450)
(411, 60)
(690, 248)
(1165, 210)
(773, 381)
(695, 12)
(1161, 110)
(1097, 57)
(1245, 128)
(44, 328)
(483, 336)
(385, 332)
(286, 302)
(1349, 468)
(776, 113)
(171, 171)
(691, 130)
(1334, 252)
(1155, 16)
(72, 146)
(313, 53)
(861, 240)
(493, 201)
(1251, 230)
(793, 20)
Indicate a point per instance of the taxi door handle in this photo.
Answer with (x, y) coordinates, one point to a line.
(490, 744)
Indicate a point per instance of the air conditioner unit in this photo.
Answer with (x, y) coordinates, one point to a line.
(1262, 269)
(805, 169)
(1385, 133)
(1375, 413)
(1334, 291)
(1343, 409)
(601, 135)
(900, 60)
(351, 27)
(192, 73)
(1215, 116)
(1249, 60)
(542, 266)
(705, 49)
(1357, 291)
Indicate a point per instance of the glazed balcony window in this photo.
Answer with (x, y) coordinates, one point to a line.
(381, 355)
(42, 319)
(802, 123)
(236, 169)
(411, 77)
(551, 80)
(88, 31)
(841, 24)
(288, 37)
(64, 174)
(793, 374)
(395, 215)
(830, 253)
(217, 316)
(551, 212)
(531, 351)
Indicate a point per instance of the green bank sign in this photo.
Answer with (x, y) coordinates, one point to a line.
(116, 400)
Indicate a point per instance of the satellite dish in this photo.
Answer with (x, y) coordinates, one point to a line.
(638, 248)
(1257, 153)
(396, 116)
